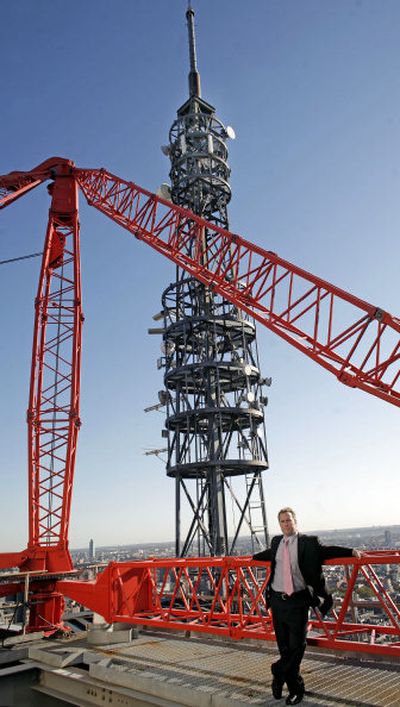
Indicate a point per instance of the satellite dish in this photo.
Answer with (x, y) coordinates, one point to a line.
(166, 150)
(167, 348)
(164, 191)
(230, 132)
(163, 397)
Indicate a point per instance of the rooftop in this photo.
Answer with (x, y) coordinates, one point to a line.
(164, 668)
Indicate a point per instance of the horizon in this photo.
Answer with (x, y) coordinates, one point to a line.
(307, 532)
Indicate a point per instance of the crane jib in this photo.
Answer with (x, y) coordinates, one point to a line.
(356, 341)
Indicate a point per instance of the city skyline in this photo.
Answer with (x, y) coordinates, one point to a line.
(350, 532)
(315, 177)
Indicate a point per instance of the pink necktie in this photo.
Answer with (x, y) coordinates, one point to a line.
(287, 570)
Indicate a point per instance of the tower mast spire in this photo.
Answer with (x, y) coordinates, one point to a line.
(194, 76)
(213, 385)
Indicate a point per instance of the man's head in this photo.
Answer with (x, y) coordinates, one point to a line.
(287, 521)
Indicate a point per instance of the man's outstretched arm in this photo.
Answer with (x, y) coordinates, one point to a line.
(264, 555)
(329, 552)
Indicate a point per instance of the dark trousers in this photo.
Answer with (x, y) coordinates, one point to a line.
(290, 619)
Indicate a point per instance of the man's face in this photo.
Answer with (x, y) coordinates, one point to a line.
(287, 523)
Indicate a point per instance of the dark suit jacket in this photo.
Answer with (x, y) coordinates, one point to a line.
(311, 554)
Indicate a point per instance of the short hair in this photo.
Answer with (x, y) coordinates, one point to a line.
(287, 509)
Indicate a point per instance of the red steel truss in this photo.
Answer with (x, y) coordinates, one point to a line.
(168, 593)
(53, 412)
(16, 184)
(356, 341)
(53, 409)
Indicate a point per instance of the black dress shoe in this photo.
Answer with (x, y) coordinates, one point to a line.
(277, 686)
(294, 699)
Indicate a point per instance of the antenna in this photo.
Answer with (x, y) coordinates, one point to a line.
(194, 76)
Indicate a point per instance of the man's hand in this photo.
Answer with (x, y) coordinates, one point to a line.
(357, 553)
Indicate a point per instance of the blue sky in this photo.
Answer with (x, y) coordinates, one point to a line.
(312, 90)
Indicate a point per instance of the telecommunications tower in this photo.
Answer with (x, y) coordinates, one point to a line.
(213, 388)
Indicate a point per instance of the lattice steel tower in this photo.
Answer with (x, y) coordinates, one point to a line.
(213, 385)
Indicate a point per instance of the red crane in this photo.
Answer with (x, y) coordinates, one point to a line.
(357, 341)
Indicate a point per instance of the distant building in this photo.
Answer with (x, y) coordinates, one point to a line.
(91, 549)
(388, 538)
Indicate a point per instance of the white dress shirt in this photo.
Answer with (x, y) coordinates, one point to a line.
(298, 579)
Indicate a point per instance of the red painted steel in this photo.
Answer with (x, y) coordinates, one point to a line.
(16, 184)
(356, 341)
(170, 593)
(53, 410)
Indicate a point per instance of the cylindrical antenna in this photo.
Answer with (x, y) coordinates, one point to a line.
(194, 76)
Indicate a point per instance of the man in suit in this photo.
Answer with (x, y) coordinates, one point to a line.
(296, 582)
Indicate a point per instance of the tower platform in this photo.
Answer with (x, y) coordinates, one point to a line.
(168, 669)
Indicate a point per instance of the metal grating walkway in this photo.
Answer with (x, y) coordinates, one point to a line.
(171, 670)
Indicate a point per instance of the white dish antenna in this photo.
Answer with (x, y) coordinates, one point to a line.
(164, 191)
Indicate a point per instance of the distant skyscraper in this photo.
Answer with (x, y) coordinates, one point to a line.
(388, 538)
(91, 549)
